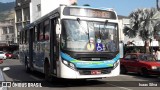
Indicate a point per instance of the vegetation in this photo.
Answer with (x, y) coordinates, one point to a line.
(142, 24)
(6, 9)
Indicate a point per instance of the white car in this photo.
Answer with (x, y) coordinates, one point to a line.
(2, 78)
(2, 55)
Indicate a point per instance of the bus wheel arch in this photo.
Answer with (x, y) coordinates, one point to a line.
(27, 68)
(46, 69)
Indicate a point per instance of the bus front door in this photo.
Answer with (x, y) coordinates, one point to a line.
(54, 46)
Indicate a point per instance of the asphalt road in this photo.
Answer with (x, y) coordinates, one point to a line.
(131, 81)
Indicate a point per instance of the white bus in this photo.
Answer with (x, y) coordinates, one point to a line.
(72, 42)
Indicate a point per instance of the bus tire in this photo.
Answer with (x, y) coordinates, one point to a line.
(46, 71)
(27, 69)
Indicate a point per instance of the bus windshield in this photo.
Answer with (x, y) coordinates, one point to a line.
(89, 36)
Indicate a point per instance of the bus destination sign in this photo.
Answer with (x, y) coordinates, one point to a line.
(86, 12)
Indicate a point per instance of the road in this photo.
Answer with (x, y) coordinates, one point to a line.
(123, 82)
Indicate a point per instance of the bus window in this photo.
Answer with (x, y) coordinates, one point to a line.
(20, 38)
(33, 34)
(46, 30)
(23, 33)
(37, 32)
(41, 34)
(36, 36)
(27, 39)
(26, 33)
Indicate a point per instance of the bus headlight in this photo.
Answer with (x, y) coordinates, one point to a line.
(115, 64)
(69, 64)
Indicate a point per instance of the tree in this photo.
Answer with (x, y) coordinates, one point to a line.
(141, 24)
(74, 4)
(86, 5)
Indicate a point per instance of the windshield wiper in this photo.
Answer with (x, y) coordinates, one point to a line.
(78, 19)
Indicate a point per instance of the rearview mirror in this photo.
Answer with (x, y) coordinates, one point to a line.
(58, 27)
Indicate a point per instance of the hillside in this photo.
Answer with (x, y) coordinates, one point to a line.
(6, 10)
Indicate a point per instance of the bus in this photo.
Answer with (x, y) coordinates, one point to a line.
(72, 42)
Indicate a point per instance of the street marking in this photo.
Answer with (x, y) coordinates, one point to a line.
(119, 86)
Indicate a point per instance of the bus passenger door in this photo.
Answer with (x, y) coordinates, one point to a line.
(54, 46)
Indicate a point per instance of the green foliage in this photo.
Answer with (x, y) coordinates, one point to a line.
(141, 23)
(75, 4)
(86, 5)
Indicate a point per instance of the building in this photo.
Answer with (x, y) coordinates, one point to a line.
(7, 34)
(27, 11)
(22, 15)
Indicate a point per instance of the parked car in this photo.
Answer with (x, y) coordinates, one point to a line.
(144, 64)
(2, 78)
(1, 61)
(15, 55)
(9, 55)
(2, 55)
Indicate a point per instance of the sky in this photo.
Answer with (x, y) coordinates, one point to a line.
(122, 7)
(5, 1)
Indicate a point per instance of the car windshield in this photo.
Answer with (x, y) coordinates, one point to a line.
(79, 35)
(147, 57)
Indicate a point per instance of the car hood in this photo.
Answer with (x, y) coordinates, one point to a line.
(152, 63)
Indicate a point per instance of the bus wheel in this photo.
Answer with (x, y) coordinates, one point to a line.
(27, 67)
(46, 72)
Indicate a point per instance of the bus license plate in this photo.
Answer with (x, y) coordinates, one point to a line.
(95, 72)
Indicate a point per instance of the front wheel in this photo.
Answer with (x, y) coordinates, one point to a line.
(46, 72)
(144, 72)
(27, 69)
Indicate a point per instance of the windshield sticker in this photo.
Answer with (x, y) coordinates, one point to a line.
(90, 46)
(99, 47)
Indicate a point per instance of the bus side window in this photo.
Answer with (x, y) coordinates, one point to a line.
(38, 32)
(41, 34)
(33, 34)
(23, 37)
(20, 38)
(46, 30)
(27, 39)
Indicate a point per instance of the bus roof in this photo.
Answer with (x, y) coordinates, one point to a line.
(57, 10)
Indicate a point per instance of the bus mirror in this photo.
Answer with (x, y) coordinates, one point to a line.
(121, 49)
(58, 29)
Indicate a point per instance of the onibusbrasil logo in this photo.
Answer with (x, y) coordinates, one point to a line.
(21, 84)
